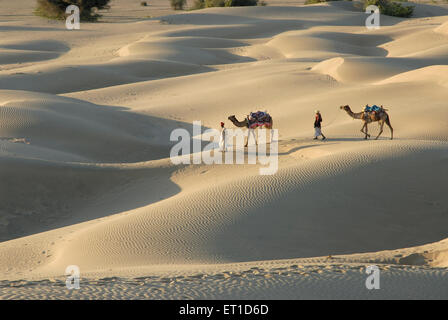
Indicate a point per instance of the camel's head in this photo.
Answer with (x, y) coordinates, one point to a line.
(346, 107)
(231, 117)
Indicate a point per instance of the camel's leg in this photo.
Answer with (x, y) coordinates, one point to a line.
(364, 130)
(249, 132)
(271, 134)
(381, 129)
(247, 138)
(255, 137)
(390, 127)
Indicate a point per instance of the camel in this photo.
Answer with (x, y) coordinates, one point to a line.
(244, 124)
(382, 117)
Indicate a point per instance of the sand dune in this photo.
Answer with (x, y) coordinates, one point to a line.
(30, 51)
(443, 28)
(98, 76)
(86, 179)
(432, 74)
(95, 127)
(353, 70)
(179, 51)
(420, 40)
(297, 45)
(157, 230)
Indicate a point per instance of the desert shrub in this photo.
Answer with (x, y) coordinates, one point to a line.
(200, 4)
(240, 3)
(398, 10)
(391, 8)
(320, 1)
(178, 4)
(215, 3)
(314, 1)
(55, 9)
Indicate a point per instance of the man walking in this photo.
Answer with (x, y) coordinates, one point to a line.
(222, 139)
(317, 126)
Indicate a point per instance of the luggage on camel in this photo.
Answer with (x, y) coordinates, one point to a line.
(258, 118)
(373, 108)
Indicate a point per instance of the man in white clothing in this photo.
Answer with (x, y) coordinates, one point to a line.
(222, 139)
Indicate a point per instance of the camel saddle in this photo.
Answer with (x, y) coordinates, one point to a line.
(260, 116)
(373, 112)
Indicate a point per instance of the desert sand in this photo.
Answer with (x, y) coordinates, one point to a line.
(86, 178)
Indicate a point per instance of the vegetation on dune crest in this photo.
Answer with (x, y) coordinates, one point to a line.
(201, 4)
(178, 4)
(55, 9)
(319, 1)
(391, 8)
(387, 7)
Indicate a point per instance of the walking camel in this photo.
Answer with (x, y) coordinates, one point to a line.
(382, 117)
(245, 124)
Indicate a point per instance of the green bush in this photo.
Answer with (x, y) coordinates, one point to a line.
(200, 4)
(320, 1)
(391, 8)
(215, 3)
(240, 3)
(314, 1)
(398, 10)
(178, 4)
(55, 9)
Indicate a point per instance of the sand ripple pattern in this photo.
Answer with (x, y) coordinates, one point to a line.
(290, 282)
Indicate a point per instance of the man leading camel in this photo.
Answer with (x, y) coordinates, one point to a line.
(223, 139)
(317, 126)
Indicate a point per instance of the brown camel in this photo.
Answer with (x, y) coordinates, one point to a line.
(382, 117)
(244, 124)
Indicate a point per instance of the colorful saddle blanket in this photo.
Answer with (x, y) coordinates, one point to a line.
(258, 119)
(373, 108)
(260, 116)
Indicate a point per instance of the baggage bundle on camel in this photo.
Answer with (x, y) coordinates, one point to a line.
(258, 118)
(373, 112)
(374, 108)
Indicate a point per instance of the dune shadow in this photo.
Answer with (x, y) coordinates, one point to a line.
(207, 18)
(39, 195)
(99, 75)
(346, 139)
(20, 28)
(51, 197)
(255, 30)
(342, 212)
(298, 148)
